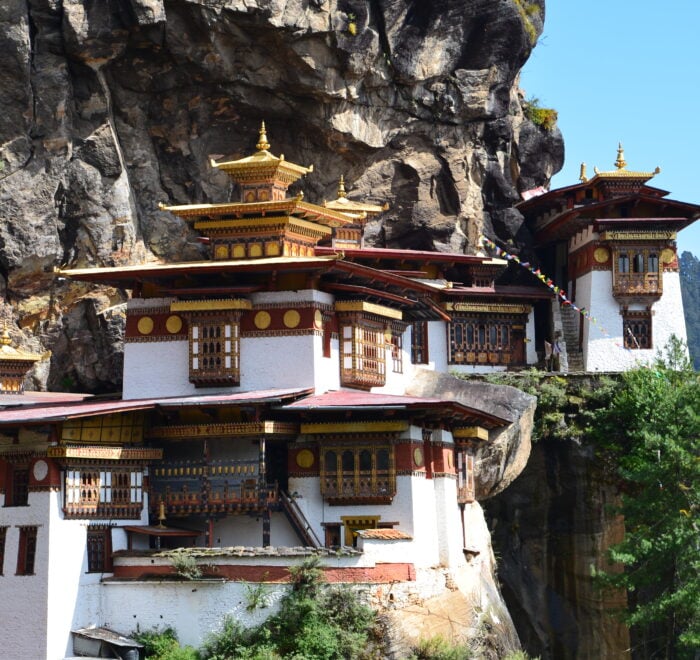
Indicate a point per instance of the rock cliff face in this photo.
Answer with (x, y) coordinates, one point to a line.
(111, 107)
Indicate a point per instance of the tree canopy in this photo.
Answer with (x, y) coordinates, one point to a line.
(650, 434)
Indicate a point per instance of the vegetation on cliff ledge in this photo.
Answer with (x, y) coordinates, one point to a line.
(650, 436)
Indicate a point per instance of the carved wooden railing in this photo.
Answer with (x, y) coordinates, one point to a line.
(638, 284)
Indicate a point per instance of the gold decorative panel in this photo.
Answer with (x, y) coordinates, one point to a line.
(262, 320)
(115, 428)
(291, 318)
(145, 325)
(173, 324)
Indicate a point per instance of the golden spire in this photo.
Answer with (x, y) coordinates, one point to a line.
(620, 163)
(341, 188)
(582, 176)
(263, 144)
(5, 337)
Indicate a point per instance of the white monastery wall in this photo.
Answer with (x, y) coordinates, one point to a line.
(437, 346)
(530, 348)
(24, 622)
(396, 381)
(448, 522)
(606, 352)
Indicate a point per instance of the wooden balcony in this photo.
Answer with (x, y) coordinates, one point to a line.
(207, 488)
(377, 487)
(638, 284)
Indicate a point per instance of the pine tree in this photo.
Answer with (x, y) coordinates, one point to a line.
(650, 433)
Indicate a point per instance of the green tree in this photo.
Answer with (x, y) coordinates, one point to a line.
(650, 434)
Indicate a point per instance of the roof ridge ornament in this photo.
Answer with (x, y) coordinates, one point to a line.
(263, 144)
(620, 162)
(341, 187)
(582, 174)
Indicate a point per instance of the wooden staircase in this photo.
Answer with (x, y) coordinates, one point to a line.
(298, 521)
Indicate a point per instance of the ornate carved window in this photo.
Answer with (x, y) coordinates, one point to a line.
(396, 346)
(636, 272)
(636, 329)
(419, 342)
(99, 549)
(27, 550)
(358, 474)
(493, 339)
(103, 493)
(363, 353)
(215, 351)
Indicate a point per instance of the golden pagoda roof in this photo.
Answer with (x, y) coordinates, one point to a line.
(290, 206)
(358, 210)
(262, 164)
(620, 171)
(8, 353)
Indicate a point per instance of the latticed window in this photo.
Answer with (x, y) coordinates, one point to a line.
(637, 272)
(18, 491)
(215, 352)
(103, 493)
(99, 549)
(479, 340)
(397, 352)
(363, 354)
(419, 342)
(358, 473)
(26, 554)
(636, 329)
(465, 475)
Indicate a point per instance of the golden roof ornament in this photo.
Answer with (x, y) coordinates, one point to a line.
(5, 339)
(263, 144)
(341, 187)
(582, 175)
(620, 163)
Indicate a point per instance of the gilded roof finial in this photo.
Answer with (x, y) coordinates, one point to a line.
(582, 176)
(263, 144)
(5, 337)
(620, 163)
(341, 187)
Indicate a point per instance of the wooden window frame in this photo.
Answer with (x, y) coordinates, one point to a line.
(396, 345)
(215, 350)
(483, 339)
(17, 490)
(464, 463)
(419, 343)
(3, 541)
(103, 492)
(360, 483)
(637, 329)
(26, 552)
(362, 352)
(99, 549)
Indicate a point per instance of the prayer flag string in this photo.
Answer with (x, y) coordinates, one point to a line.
(547, 281)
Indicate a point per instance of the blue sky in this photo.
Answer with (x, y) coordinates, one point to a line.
(625, 71)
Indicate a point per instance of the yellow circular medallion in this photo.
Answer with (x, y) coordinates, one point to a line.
(418, 456)
(291, 318)
(305, 458)
(174, 324)
(262, 320)
(318, 318)
(601, 255)
(145, 325)
(667, 255)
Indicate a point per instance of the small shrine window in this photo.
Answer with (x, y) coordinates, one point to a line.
(3, 538)
(99, 549)
(636, 329)
(419, 342)
(26, 554)
(362, 475)
(214, 352)
(638, 263)
(653, 263)
(363, 354)
(17, 494)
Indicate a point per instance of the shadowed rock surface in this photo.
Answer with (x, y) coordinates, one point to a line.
(111, 107)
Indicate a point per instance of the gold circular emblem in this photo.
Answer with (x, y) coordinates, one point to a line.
(601, 255)
(262, 320)
(291, 318)
(667, 255)
(145, 325)
(305, 458)
(174, 324)
(418, 456)
(318, 318)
